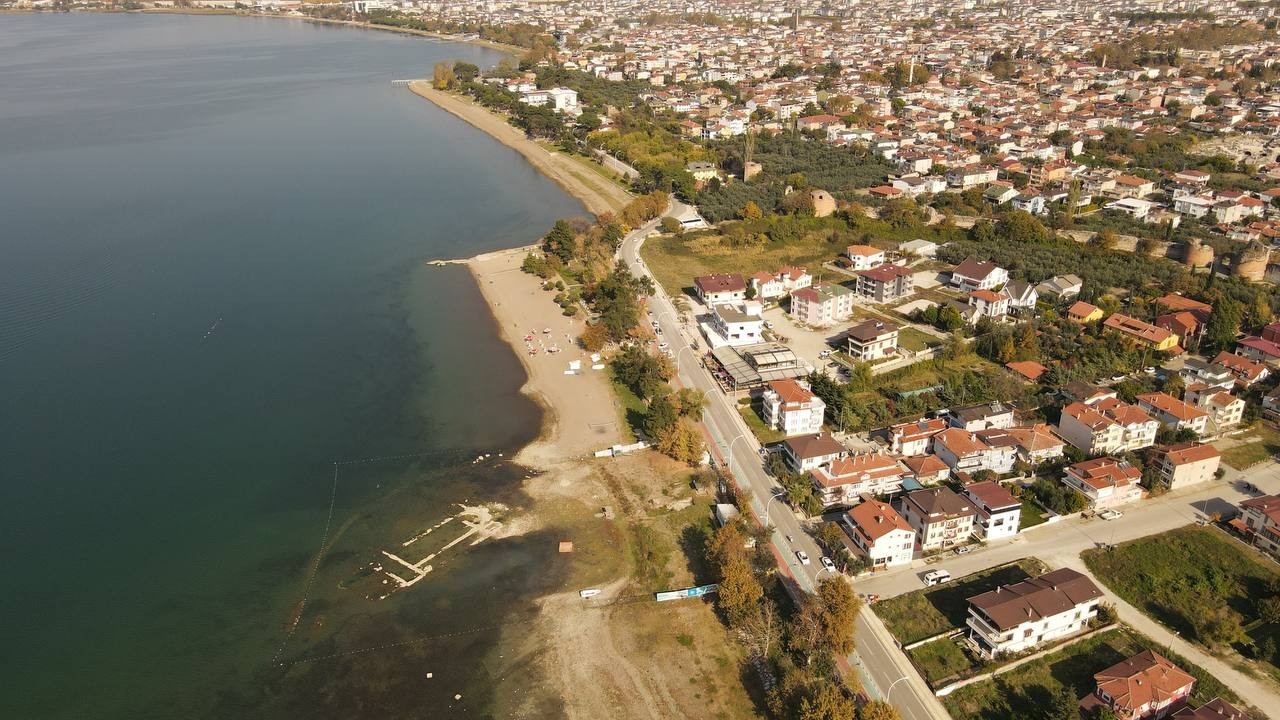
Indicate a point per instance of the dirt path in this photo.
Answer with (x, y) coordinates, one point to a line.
(596, 679)
(597, 193)
(1255, 692)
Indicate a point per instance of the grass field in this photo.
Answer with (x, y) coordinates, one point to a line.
(924, 613)
(1031, 514)
(675, 261)
(631, 408)
(1259, 444)
(1027, 691)
(941, 660)
(1196, 580)
(763, 433)
(915, 340)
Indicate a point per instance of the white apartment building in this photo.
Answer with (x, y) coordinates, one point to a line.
(792, 408)
(999, 512)
(872, 339)
(1105, 482)
(736, 325)
(1188, 464)
(1107, 426)
(845, 480)
(940, 517)
(1025, 615)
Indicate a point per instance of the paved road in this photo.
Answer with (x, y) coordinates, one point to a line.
(1057, 542)
(878, 660)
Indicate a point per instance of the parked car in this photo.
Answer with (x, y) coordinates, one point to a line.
(936, 577)
(964, 550)
(826, 563)
(803, 556)
(1110, 514)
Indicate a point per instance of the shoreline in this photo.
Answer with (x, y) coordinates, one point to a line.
(579, 412)
(511, 50)
(598, 194)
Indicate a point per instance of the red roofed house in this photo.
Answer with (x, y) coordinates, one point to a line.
(986, 303)
(1105, 482)
(1261, 516)
(1029, 369)
(1143, 333)
(974, 274)
(880, 534)
(723, 288)
(1024, 615)
(1187, 464)
(1215, 709)
(863, 257)
(999, 512)
(1144, 687)
(1182, 324)
(1082, 312)
(1173, 413)
(915, 438)
(846, 479)
(1246, 371)
(1260, 350)
(940, 517)
(792, 408)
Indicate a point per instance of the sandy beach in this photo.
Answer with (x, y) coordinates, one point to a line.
(597, 193)
(580, 412)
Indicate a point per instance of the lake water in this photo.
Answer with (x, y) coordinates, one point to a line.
(221, 351)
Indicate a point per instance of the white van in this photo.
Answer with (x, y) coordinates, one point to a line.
(936, 577)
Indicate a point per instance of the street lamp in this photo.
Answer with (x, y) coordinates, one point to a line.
(729, 451)
(775, 496)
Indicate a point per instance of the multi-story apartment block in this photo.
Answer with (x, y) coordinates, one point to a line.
(790, 407)
(1025, 615)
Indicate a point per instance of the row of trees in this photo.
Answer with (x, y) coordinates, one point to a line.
(798, 649)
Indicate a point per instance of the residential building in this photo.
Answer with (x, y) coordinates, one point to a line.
(974, 274)
(1037, 444)
(1020, 295)
(722, 288)
(808, 452)
(822, 305)
(965, 452)
(1187, 464)
(982, 417)
(846, 479)
(1147, 686)
(1082, 312)
(880, 534)
(1215, 709)
(1260, 350)
(1174, 413)
(1245, 371)
(1141, 332)
(915, 438)
(989, 304)
(919, 247)
(926, 469)
(790, 407)
(863, 257)
(1025, 615)
(999, 512)
(736, 324)
(941, 518)
(886, 283)
(872, 340)
(775, 285)
(1225, 411)
(1061, 287)
(1105, 482)
(1260, 517)
(1107, 426)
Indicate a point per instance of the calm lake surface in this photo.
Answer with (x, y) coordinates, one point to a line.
(213, 302)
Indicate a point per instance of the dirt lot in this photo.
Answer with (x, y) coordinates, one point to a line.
(622, 655)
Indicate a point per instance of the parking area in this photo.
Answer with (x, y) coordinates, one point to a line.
(808, 344)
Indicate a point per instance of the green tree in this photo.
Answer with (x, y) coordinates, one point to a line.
(1269, 609)
(560, 241)
(1063, 705)
(1021, 227)
(465, 72)
(828, 702)
(1223, 324)
(660, 417)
